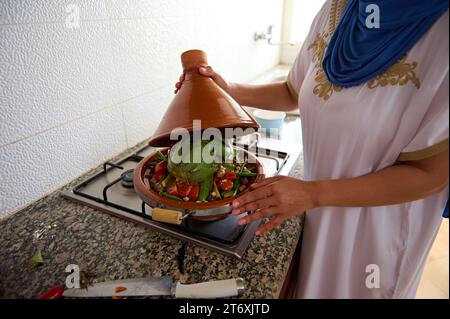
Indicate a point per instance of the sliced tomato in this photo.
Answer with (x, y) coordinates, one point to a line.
(230, 176)
(161, 167)
(193, 194)
(172, 190)
(158, 175)
(225, 184)
(183, 189)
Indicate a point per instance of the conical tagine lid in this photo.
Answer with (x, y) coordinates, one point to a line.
(200, 98)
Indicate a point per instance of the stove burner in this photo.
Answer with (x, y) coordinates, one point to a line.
(127, 179)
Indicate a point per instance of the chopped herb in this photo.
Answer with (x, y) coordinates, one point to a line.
(36, 260)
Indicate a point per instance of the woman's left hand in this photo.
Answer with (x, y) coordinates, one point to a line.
(277, 197)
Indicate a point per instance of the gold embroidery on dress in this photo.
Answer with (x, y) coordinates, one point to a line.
(398, 74)
(324, 89)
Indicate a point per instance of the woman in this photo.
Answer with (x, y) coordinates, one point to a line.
(374, 110)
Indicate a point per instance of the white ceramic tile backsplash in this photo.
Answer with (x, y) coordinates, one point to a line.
(51, 75)
(71, 98)
(36, 165)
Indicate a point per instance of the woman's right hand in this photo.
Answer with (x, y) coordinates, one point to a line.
(209, 72)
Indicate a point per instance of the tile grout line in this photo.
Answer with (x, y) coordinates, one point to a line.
(124, 127)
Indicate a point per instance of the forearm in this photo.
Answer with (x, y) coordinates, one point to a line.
(393, 185)
(273, 96)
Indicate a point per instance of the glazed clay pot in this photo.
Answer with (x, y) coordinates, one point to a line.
(200, 98)
(143, 189)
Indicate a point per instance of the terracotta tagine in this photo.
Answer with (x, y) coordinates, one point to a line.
(199, 98)
(143, 189)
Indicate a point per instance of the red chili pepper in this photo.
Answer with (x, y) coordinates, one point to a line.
(183, 189)
(161, 167)
(225, 184)
(193, 194)
(230, 175)
(55, 292)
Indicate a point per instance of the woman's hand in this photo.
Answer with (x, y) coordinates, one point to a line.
(277, 197)
(272, 96)
(209, 72)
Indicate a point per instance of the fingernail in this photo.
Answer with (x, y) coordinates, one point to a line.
(235, 204)
(257, 232)
(242, 222)
(202, 68)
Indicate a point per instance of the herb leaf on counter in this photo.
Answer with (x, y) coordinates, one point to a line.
(36, 260)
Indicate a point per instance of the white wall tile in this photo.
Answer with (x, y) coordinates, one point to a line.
(35, 11)
(50, 74)
(32, 167)
(143, 114)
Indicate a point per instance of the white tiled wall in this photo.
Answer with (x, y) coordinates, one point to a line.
(72, 97)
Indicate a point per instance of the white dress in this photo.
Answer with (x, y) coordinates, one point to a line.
(400, 115)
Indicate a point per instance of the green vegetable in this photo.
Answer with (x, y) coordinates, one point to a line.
(170, 196)
(205, 189)
(237, 182)
(161, 156)
(168, 181)
(36, 260)
(216, 190)
(244, 174)
(226, 194)
(195, 162)
(252, 169)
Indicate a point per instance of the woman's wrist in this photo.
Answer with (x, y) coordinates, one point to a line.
(311, 193)
(233, 89)
(323, 193)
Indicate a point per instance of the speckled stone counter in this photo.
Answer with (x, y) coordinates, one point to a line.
(110, 248)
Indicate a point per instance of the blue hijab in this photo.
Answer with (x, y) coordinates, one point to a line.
(357, 53)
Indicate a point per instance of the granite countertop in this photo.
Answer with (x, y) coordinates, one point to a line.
(110, 248)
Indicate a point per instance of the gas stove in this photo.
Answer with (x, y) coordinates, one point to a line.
(111, 191)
